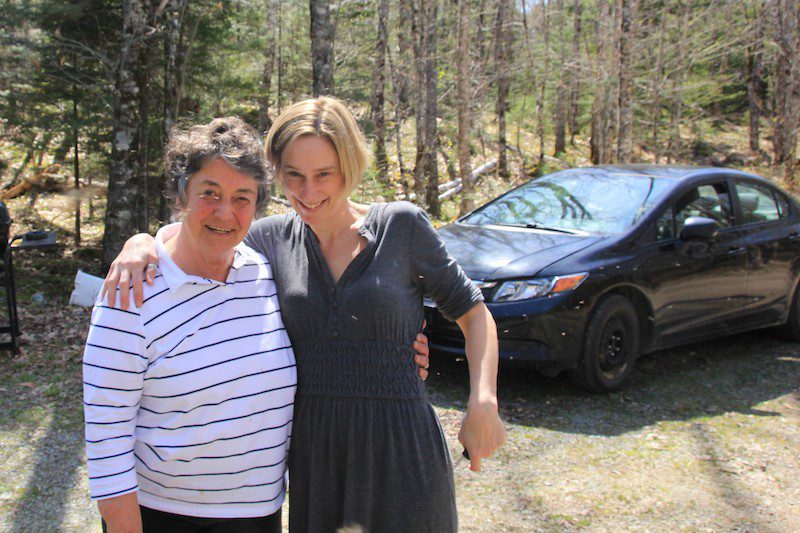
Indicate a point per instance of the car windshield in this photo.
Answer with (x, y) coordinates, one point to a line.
(575, 201)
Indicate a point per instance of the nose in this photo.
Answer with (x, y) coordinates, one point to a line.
(224, 209)
(308, 190)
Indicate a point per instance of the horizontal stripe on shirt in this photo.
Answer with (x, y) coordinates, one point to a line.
(196, 386)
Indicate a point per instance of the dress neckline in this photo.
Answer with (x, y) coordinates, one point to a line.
(356, 265)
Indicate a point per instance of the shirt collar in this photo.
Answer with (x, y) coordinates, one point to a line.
(175, 277)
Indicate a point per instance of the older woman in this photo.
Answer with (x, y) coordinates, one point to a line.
(189, 397)
(367, 450)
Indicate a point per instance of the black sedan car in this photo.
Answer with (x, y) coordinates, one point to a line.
(585, 269)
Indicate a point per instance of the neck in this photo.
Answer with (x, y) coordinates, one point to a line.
(214, 267)
(347, 217)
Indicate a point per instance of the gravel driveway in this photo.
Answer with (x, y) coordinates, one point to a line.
(705, 438)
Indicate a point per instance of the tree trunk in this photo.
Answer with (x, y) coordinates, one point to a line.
(574, 78)
(676, 112)
(378, 90)
(658, 84)
(418, 36)
(755, 81)
(786, 17)
(503, 83)
(321, 47)
(602, 111)
(543, 83)
(143, 73)
(399, 111)
(264, 120)
(405, 59)
(123, 188)
(559, 118)
(431, 96)
(76, 163)
(462, 105)
(176, 9)
(625, 122)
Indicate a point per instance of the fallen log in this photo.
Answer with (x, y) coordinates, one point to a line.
(47, 180)
(453, 187)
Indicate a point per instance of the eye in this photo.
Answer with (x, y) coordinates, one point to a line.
(208, 194)
(243, 200)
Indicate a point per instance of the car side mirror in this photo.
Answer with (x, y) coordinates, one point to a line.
(698, 228)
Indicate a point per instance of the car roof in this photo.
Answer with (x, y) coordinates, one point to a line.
(676, 172)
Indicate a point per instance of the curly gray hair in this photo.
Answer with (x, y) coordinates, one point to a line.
(228, 138)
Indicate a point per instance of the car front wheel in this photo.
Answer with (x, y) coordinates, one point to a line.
(610, 347)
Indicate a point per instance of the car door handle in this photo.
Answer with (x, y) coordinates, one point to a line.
(736, 250)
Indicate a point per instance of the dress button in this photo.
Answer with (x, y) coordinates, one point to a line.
(334, 334)
(334, 304)
(335, 319)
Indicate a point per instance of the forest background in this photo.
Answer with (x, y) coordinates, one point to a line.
(461, 99)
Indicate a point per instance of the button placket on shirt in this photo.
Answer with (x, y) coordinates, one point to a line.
(333, 314)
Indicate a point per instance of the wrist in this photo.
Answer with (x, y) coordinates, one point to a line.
(486, 401)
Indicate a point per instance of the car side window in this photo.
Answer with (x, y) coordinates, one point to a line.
(665, 225)
(710, 201)
(757, 203)
(783, 205)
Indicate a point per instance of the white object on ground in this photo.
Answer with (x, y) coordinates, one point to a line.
(87, 287)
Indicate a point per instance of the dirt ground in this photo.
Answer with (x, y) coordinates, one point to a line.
(706, 438)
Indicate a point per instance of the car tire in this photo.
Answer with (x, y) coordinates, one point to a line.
(791, 330)
(610, 346)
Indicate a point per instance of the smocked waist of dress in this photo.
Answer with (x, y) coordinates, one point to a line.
(357, 369)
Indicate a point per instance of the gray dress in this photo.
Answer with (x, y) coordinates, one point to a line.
(367, 449)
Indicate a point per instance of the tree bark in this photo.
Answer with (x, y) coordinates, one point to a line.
(755, 81)
(123, 188)
(786, 20)
(462, 105)
(658, 84)
(559, 119)
(378, 92)
(602, 109)
(543, 83)
(677, 90)
(503, 84)
(76, 162)
(418, 36)
(574, 72)
(321, 48)
(625, 122)
(264, 120)
(431, 112)
(175, 12)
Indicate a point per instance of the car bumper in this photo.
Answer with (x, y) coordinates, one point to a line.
(545, 333)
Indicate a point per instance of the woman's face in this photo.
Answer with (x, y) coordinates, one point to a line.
(220, 205)
(312, 178)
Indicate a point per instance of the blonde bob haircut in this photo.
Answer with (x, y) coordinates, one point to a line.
(327, 117)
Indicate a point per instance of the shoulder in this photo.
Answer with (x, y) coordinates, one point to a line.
(399, 213)
(273, 223)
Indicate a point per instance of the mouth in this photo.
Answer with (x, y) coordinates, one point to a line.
(310, 206)
(219, 231)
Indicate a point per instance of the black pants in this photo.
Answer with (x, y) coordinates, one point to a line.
(160, 522)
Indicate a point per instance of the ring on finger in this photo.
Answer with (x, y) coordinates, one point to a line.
(151, 266)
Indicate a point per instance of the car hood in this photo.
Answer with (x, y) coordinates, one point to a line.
(496, 252)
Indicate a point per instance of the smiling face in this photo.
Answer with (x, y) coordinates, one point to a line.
(220, 205)
(312, 179)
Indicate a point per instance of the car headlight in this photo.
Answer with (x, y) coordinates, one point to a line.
(526, 289)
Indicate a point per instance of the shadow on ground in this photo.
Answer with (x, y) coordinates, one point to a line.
(734, 374)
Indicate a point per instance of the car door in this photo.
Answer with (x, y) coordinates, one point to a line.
(697, 288)
(770, 233)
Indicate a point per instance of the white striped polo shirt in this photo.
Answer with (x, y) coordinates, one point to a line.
(189, 399)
